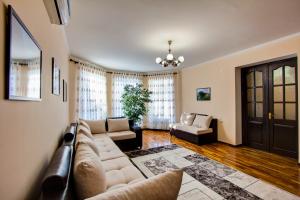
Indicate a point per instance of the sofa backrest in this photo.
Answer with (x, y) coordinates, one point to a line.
(58, 180)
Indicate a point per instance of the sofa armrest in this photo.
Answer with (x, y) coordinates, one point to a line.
(139, 134)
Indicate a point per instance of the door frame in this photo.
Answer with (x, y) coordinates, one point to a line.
(244, 100)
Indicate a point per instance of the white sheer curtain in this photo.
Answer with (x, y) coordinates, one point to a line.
(25, 78)
(91, 92)
(34, 78)
(162, 109)
(119, 81)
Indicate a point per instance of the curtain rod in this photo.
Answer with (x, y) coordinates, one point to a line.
(128, 73)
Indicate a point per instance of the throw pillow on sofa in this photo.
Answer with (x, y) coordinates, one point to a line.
(85, 131)
(83, 139)
(83, 123)
(88, 172)
(187, 118)
(202, 121)
(96, 126)
(115, 125)
(160, 187)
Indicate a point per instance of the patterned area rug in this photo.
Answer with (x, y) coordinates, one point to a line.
(204, 178)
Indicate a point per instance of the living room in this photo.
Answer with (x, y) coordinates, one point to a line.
(161, 99)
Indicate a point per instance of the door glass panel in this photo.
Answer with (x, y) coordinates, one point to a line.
(290, 93)
(250, 109)
(290, 111)
(258, 78)
(250, 95)
(259, 110)
(250, 80)
(277, 76)
(278, 93)
(289, 74)
(259, 94)
(278, 111)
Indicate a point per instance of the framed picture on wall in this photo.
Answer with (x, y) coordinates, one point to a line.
(203, 94)
(55, 78)
(65, 91)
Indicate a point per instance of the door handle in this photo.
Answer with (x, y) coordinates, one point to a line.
(270, 116)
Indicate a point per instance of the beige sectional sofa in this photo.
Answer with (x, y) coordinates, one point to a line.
(106, 164)
(89, 165)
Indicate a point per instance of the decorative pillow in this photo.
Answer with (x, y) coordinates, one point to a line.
(96, 126)
(83, 123)
(83, 130)
(187, 118)
(89, 174)
(202, 121)
(83, 139)
(115, 125)
(160, 187)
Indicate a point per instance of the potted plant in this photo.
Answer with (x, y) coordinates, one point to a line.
(134, 100)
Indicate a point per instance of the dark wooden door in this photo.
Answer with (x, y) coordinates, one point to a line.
(270, 107)
(256, 107)
(283, 107)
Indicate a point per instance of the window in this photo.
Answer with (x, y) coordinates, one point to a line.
(162, 109)
(91, 89)
(119, 81)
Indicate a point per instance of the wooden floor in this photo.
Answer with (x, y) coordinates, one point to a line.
(277, 170)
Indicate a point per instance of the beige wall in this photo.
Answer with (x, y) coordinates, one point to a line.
(222, 75)
(30, 130)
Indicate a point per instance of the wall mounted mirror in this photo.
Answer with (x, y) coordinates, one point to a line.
(23, 61)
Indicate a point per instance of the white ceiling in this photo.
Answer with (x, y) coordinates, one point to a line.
(130, 34)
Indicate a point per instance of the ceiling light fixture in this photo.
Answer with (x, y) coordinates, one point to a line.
(170, 59)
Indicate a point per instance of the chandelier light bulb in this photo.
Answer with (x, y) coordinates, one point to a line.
(170, 56)
(170, 59)
(158, 60)
(181, 59)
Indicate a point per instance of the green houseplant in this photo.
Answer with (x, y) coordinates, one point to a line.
(134, 101)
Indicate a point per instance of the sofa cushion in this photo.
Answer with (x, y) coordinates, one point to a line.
(187, 118)
(83, 139)
(175, 125)
(194, 130)
(160, 187)
(115, 125)
(116, 164)
(83, 123)
(107, 148)
(124, 175)
(202, 121)
(89, 174)
(83, 130)
(96, 126)
(122, 135)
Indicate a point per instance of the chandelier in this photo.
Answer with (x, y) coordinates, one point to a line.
(170, 59)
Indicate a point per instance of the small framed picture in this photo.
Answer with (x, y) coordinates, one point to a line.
(203, 94)
(55, 78)
(65, 91)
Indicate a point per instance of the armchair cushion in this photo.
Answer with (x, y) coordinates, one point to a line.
(187, 118)
(202, 121)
